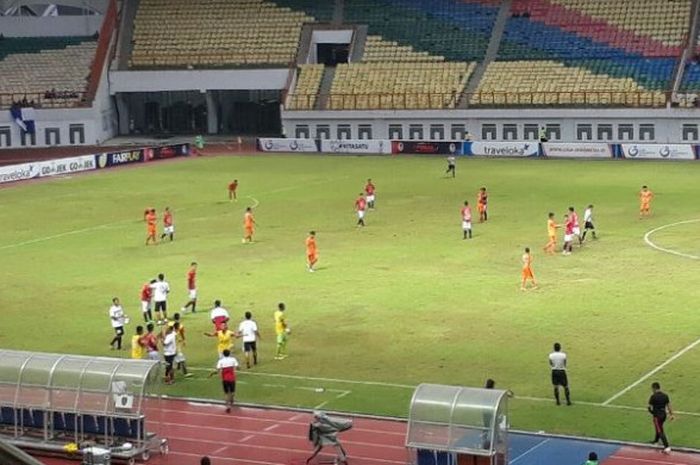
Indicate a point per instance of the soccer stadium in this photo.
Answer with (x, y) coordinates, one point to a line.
(366, 232)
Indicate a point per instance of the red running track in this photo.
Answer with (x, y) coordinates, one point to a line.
(645, 456)
(254, 436)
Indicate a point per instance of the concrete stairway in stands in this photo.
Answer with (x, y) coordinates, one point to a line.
(491, 52)
(324, 89)
(126, 34)
(359, 41)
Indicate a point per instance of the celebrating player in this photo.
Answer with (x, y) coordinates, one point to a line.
(451, 166)
(482, 201)
(573, 216)
(645, 197)
(360, 207)
(138, 351)
(191, 288)
(248, 225)
(168, 226)
(527, 273)
(232, 190)
(224, 338)
(588, 223)
(282, 330)
(369, 190)
(311, 251)
(218, 315)
(161, 288)
(466, 214)
(248, 330)
(552, 234)
(146, 295)
(151, 220)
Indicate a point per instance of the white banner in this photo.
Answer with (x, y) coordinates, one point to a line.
(355, 146)
(42, 169)
(287, 145)
(505, 149)
(18, 172)
(577, 150)
(659, 151)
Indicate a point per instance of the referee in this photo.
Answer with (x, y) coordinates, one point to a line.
(659, 404)
(557, 361)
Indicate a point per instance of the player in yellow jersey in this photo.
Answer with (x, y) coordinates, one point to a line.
(552, 234)
(282, 330)
(224, 338)
(645, 197)
(138, 351)
(527, 273)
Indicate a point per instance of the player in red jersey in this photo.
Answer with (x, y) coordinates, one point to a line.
(151, 220)
(482, 201)
(576, 228)
(369, 191)
(466, 213)
(146, 295)
(191, 288)
(232, 190)
(168, 226)
(360, 207)
(568, 234)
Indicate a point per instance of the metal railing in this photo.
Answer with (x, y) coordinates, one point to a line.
(433, 100)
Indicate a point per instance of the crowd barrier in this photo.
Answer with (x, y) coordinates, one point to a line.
(62, 166)
(484, 148)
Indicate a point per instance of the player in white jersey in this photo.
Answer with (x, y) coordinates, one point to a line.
(161, 288)
(466, 214)
(588, 223)
(248, 330)
(557, 361)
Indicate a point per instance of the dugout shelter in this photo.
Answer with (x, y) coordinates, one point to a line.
(48, 401)
(457, 425)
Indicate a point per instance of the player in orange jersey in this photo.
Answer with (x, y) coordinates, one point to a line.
(527, 271)
(232, 190)
(248, 225)
(168, 226)
(311, 251)
(151, 226)
(645, 196)
(482, 204)
(552, 234)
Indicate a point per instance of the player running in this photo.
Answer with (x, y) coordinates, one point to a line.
(282, 330)
(451, 166)
(151, 220)
(527, 273)
(248, 226)
(248, 330)
(568, 235)
(146, 295)
(118, 319)
(311, 251)
(552, 234)
(168, 226)
(466, 213)
(360, 207)
(226, 366)
(588, 223)
(232, 191)
(645, 197)
(369, 191)
(482, 201)
(191, 288)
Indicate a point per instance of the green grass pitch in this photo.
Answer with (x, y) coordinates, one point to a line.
(401, 302)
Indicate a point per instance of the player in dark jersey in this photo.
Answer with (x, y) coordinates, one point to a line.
(659, 404)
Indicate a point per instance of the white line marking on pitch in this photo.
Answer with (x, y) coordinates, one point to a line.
(652, 372)
(663, 249)
(537, 446)
(256, 202)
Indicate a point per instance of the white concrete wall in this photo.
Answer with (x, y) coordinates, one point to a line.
(52, 26)
(202, 80)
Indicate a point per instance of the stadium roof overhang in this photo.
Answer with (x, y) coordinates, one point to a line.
(39, 7)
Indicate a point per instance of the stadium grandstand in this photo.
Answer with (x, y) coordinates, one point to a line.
(290, 66)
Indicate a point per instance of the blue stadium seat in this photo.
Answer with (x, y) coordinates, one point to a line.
(7, 416)
(59, 423)
(27, 418)
(70, 421)
(122, 428)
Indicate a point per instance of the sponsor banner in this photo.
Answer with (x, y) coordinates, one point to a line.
(21, 172)
(166, 151)
(47, 168)
(107, 160)
(577, 150)
(436, 147)
(355, 146)
(658, 151)
(266, 144)
(502, 149)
